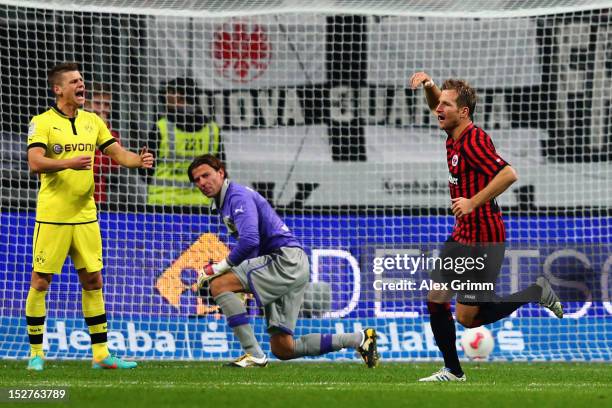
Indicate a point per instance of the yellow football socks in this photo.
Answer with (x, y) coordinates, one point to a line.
(35, 319)
(95, 317)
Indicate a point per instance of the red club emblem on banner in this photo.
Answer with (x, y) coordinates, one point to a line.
(241, 51)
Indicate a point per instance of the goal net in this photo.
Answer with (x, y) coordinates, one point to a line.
(315, 113)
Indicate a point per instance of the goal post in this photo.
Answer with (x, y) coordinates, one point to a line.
(315, 113)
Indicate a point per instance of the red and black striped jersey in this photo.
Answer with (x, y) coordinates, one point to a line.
(472, 164)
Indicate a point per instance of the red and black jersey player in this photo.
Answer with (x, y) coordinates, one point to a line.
(477, 175)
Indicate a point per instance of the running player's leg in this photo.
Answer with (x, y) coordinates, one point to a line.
(443, 328)
(440, 316)
(488, 307)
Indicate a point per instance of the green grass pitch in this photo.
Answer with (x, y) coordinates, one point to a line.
(293, 385)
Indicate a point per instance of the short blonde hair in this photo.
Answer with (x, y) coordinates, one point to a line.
(466, 95)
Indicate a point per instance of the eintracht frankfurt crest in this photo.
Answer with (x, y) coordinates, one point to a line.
(241, 51)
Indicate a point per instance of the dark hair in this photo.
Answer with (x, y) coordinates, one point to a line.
(185, 86)
(56, 72)
(466, 95)
(210, 159)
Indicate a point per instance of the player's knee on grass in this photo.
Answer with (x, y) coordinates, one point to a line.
(282, 346)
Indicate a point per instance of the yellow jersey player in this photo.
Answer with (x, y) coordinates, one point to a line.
(61, 147)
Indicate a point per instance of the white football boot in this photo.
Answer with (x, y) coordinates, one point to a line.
(443, 375)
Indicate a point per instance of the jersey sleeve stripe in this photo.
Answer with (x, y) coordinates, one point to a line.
(479, 157)
(482, 162)
(490, 155)
(37, 144)
(471, 154)
(105, 145)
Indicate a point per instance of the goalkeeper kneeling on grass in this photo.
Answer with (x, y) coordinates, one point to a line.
(268, 262)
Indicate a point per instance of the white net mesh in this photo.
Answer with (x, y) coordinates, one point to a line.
(314, 113)
(233, 8)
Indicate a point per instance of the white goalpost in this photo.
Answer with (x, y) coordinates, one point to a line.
(315, 113)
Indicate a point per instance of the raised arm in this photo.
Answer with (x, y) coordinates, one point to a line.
(432, 92)
(130, 159)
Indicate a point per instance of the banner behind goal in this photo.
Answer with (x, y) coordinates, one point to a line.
(315, 113)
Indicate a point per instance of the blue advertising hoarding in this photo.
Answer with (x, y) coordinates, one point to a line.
(155, 312)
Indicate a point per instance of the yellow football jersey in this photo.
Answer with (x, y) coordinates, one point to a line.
(66, 196)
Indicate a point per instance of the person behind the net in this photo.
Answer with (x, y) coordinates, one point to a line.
(477, 175)
(181, 132)
(268, 262)
(99, 101)
(61, 147)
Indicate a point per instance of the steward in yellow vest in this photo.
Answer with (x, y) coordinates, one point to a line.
(181, 134)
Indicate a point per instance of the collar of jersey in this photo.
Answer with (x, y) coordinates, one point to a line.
(218, 201)
(62, 114)
(465, 131)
